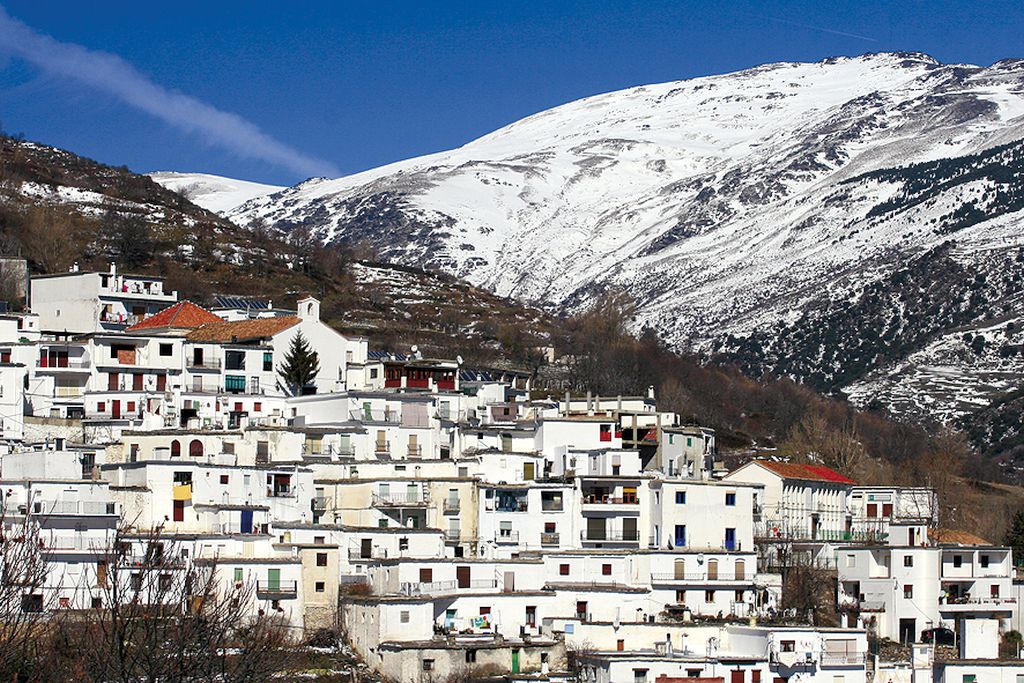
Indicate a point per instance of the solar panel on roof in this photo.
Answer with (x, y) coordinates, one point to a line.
(228, 301)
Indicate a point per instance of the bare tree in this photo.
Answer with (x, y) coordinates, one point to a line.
(24, 598)
(166, 618)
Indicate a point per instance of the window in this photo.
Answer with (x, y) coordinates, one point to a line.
(606, 570)
(101, 407)
(175, 448)
(908, 561)
(908, 591)
(639, 675)
(788, 645)
(709, 596)
(428, 664)
(680, 497)
(470, 656)
(563, 570)
(984, 560)
(268, 361)
(739, 596)
(32, 603)
(681, 597)
(234, 360)
(321, 559)
(994, 590)
(234, 383)
(851, 561)
(403, 544)
(730, 499)
(195, 448)
(165, 349)
(403, 616)
(958, 560)
(165, 582)
(257, 407)
(238, 575)
(319, 586)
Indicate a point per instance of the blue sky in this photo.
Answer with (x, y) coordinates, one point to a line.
(339, 87)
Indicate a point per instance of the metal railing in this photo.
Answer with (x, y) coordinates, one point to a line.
(453, 534)
(507, 537)
(425, 587)
(384, 416)
(401, 499)
(320, 503)
(68, 364)
(204, 364)
(77, 507)
(843, 659)
(415, 451)
(549, 539)
(610, 535)
(701, 576)
(277, 589)
(512, 506)
(382, 447)
(452, 505)
(592, 499)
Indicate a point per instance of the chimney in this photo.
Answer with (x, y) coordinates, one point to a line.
(568, 397)
(650, 391)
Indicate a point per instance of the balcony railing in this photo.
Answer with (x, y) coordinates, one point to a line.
(384, 416)
(320, 503)
(77, 507)
(427, 587)
(512, 506)
(415, 451)
(699, 576)
(843, 659)
(400, 499)
(507, 537)
(452, 534)
(203, 364)
(549, 539)
(452, 506)
(64, 364)
(382, 448)
(599, 499)
(277, 590)
(610, 535)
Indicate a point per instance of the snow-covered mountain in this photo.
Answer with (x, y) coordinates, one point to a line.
(730, 205)
(213, 192)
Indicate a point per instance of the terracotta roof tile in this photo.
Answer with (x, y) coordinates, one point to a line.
(956, 537)
(242, 330)
(792, 470)
(182, 315)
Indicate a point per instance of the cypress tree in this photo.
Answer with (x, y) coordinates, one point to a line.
(301, 365)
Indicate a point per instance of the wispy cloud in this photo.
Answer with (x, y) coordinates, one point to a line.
(823, 30)
(111, 74)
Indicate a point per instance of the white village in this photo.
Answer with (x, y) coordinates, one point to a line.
(441, 519)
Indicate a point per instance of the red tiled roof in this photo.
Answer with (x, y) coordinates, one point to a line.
(182, 315)
(956, 537)
(792, 470)
(242, 330)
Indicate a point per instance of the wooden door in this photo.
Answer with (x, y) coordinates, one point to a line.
(462, 574)
(712, 569)
(680, 569)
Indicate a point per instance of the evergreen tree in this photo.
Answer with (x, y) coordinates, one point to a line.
(1015, 537)
(301, 364)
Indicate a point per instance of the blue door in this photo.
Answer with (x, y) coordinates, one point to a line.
(246, 522)
(680, 539)
(730, 539)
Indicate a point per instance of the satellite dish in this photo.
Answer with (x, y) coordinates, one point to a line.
(458, 359)
(415, 348)
(700, 559)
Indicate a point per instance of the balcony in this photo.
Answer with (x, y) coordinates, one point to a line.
(603, 499)
(512, 505)
(610, 536)
(549, 539)
(375, 416)
(847, 659)
(78, 507)
(700, 577)
(320, 503)
(382, 448)
(452, 506)
(453, 535)
(202, 363)
(277, 590)
(414, 451)
(509, 537)
(63, 365)
(401, 499)
(427, 587)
